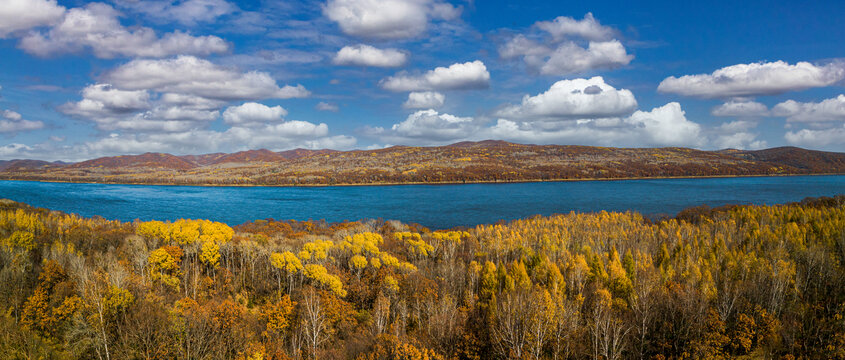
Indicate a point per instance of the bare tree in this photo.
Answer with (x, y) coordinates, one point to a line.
(608, 332)
(511, 329)
(314, 323)
(381, 314)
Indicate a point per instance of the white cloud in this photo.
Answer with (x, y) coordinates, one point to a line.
(573, 99)
(324, 106)
(114, 109)
(459, 76)
(662, 126)
(570, 133)
(817, 138)
(429, 124)
(118, 101)
(16, 151)
(107, 106)
(252, 114)
(829, 110)
(428, 127)
(192, 76)
(190, 101)
(186, 12)
(146, 111)
(11, 115)
(740, 140)
(12, 122)
(561, 50)
(276, 137)
(570, 58)
(763, 78)
(589, 28)
(424, 100)
(178, 95)
(96, 26)
(666, 126)
(740, 108)
(366, 55)
(737, 135)
(21, 15)
(387, 19)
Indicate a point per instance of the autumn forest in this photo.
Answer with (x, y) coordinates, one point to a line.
(731, 282)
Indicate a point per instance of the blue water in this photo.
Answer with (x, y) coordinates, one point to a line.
(435, 206)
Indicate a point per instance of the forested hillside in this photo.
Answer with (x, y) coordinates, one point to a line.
(485, 161)
(735, 282)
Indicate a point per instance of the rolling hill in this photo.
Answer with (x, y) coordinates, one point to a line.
(484, 161)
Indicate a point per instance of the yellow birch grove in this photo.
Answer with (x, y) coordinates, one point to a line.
(733, 282)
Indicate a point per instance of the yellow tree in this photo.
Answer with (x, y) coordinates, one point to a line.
(210, 253)
(288, 264)
(164, 265)
(321, 276)
(541, 316)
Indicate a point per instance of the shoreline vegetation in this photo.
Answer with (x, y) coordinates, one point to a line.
(467, 162)
(737, 281)
(433, 183)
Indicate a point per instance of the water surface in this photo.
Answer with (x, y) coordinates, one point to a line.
(435, 206)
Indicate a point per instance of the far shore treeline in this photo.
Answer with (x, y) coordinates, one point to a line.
(465, 162)
(732, 282)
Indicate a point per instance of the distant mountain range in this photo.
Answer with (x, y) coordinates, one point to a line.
(484, 161)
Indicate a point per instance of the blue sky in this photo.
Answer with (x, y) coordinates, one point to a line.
(80, 80)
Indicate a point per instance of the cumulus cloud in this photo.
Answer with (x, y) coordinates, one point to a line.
(428, 127)
(459, 76)
(15, 150)
(817, 138)
(276, 137)
(573, 132)
(324, 106)
(567, 46)
(169, 105)
(588, 28)
(763, 78)
(199, 77)
(252, 114)
(829, 110)
(571, 58)
(186, 12)
(190, 101)
(97, 26)
(114, 109)
(366, 55)
(424, 100)
(21, 15)
(740, 108)
(109, 108)
(573, 99)
(737, 135)
(662, 126)
(387, 19)
(666, 126)
(12, 122)
(178, 95)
